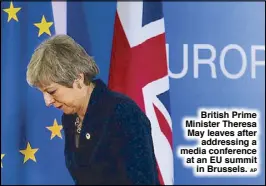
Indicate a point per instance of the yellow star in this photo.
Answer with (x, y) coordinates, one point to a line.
(2, 155)
(29, 153)
(44, 26)
(12, 12)
(55, 129)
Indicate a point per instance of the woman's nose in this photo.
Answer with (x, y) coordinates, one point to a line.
(48, 99)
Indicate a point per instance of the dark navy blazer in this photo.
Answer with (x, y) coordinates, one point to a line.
(115, 145)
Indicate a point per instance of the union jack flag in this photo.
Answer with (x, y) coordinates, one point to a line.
(139, 70)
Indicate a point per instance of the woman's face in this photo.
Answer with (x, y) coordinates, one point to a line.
(68, 100)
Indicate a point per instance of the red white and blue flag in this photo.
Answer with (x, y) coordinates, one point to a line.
(139, 69)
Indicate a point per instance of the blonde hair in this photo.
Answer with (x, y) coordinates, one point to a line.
(60, 59)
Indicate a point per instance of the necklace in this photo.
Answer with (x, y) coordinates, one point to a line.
(78, 125)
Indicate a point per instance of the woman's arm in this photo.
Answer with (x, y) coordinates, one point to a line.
(141, 167)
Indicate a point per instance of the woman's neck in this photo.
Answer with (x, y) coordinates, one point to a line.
(85, 102)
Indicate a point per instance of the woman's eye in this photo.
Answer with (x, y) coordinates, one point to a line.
(52, 92)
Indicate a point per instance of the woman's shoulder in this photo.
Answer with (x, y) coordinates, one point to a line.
(126, 108)
(106, 98)
(123, 102)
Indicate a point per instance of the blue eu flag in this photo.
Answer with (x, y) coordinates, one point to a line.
(32, 140)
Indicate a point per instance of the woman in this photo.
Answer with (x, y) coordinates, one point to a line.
(107, 137)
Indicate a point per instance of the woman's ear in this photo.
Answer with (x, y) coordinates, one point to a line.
(79, 86)
(79, 82)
